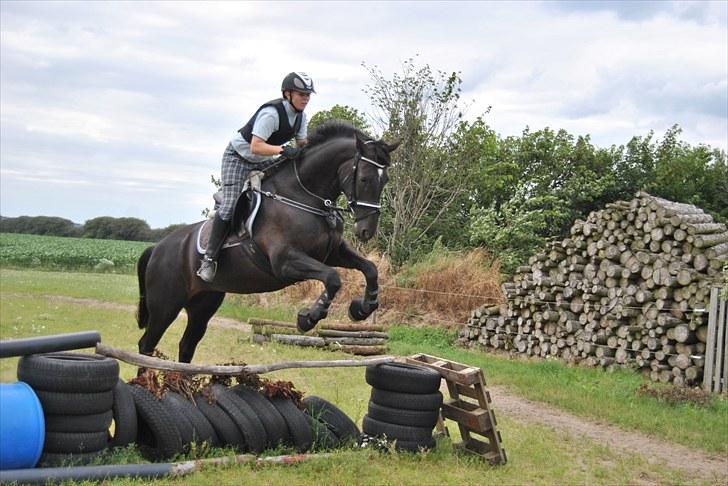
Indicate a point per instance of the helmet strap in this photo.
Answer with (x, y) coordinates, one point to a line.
(290, 100)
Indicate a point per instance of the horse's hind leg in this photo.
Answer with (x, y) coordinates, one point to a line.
(199, 311)
(161, 315)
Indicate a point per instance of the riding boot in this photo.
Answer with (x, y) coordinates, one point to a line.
(208, 267)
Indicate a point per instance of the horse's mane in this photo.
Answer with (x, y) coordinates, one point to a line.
(332, 129)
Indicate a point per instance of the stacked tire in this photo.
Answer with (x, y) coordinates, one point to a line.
(239, 417)
(80, 395)
(404, 405)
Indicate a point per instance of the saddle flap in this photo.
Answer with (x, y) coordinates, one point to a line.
(243, 218)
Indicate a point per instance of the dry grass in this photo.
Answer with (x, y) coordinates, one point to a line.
(442, 290)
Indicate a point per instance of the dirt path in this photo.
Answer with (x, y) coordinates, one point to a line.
(697, 464)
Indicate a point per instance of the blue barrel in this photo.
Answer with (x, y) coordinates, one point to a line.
(22, 426)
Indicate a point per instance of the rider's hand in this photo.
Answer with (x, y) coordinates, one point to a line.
(290, 152)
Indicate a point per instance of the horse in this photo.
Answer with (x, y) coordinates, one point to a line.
(297, 235)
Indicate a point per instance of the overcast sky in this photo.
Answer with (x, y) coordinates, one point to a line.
(124, 109)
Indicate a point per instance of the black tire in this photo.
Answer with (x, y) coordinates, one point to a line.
(412, 418)
(378, 428)
(226, 430)
(203, 431)
(98, 422)
(69, 372)
(407, 401)
(323, 437)
(249, 424)
(333, 417)
(157, 434)
(183, 424)
(74, 443)
(273, 422)
(50, 459)
(125, 416)
(298, 426)
(403, 378)
(62, 403)
(415, 446)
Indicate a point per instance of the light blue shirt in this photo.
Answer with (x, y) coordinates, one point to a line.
(265, 124)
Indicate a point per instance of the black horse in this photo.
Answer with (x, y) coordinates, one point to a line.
(297, 236)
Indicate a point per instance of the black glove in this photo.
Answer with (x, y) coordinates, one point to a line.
(290, 152)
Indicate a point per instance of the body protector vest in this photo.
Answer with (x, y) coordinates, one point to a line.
(285, 131)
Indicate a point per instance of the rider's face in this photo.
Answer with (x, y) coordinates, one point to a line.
(299, 100)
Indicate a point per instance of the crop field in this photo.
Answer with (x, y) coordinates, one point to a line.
(65, 253)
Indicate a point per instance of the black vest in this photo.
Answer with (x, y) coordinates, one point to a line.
(285, 131)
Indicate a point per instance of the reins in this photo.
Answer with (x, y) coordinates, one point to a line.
(332, 211)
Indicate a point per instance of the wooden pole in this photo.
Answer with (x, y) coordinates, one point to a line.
(227, 370)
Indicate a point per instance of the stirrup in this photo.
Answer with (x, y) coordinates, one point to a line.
(207, 270)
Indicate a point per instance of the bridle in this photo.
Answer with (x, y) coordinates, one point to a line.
(354, 202)
(331, 208)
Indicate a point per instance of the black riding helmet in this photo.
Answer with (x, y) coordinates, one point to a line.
(298, 82)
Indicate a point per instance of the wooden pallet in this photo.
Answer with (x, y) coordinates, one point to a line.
(473, 418)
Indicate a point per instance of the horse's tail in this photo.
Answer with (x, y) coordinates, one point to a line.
(142, 311)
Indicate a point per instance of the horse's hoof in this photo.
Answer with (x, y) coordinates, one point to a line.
(304, 322)
(356, 310)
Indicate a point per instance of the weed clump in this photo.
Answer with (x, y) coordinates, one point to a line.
(675, 395)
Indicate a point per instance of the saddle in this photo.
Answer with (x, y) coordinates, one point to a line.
(243, 220)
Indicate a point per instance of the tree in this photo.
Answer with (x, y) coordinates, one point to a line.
(40, 225)
(339, 112)
(420, 108)
(106, 227)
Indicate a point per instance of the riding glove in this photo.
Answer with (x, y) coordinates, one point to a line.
(290, 152)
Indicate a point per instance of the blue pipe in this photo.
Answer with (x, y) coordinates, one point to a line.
(86, 473)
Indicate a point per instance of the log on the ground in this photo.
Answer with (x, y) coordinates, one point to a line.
(313, 341)
(359, 350)
(352, 334)
(355, 341)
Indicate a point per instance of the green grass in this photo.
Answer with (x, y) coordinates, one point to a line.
(28, 307)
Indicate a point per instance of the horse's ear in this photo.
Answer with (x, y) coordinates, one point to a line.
(391, 147)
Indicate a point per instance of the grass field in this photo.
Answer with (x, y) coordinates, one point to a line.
(40, 303)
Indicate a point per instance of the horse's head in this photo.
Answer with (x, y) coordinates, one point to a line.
(364, 183)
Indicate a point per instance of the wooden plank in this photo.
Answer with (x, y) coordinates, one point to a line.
(473, 417)
(721, 360)
(468, 391)
(467, 377)
(710, 345)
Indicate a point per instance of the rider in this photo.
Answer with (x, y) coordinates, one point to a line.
(261, 139)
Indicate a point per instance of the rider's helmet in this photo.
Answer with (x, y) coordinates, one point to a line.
(298, 81)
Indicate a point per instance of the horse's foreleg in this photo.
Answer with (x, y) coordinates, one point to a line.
(299, 266)
(347, 257)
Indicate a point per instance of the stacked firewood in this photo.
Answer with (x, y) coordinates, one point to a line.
(363, 339)
(629, 287)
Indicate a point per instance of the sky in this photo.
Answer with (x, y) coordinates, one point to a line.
(124, 109)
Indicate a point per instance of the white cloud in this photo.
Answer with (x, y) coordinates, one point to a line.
(137, 100)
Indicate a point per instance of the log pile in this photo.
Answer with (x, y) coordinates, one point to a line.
(629, 287)
(361, 339)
